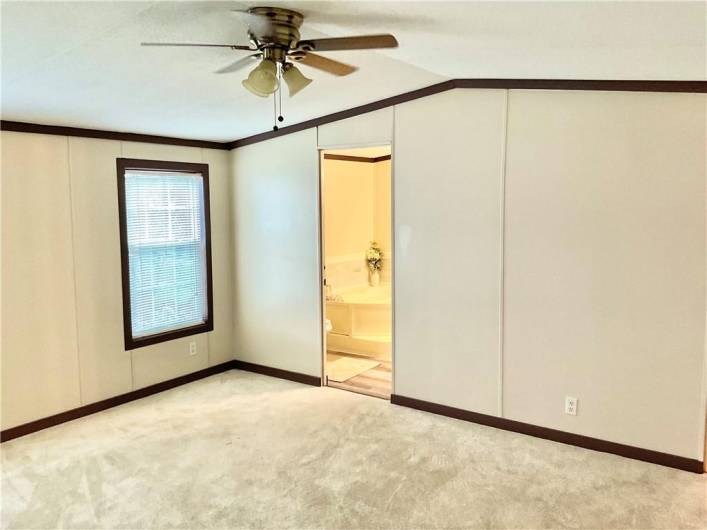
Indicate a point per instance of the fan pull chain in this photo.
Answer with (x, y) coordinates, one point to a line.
(274, 110)
(277, 116)
(279, 92)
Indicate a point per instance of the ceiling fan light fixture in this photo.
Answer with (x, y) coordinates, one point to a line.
(262, 81)
(295, 80)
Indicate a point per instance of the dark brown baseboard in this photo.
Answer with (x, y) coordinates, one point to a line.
(628, 451)
(277, 372)
(636, 453)
(85, 410)
(91, 408)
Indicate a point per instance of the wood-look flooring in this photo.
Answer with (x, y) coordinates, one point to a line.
(377, 382)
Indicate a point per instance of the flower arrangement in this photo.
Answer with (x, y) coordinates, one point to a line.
(374, 257)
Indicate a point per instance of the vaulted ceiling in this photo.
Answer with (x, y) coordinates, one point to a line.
(80, 64)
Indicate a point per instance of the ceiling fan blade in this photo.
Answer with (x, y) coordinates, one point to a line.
(240, 63)
(324, 63)
(364, 42)
(232, 46)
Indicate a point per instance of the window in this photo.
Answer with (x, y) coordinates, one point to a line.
(165, 248)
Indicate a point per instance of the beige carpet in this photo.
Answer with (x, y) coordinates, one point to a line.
(240, 450)
(348, 367)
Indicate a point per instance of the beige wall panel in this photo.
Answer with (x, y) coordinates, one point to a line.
(605, 265)
(277, 296)
(172, 153)
(104, 363)
(221, 338)
(448, 154)
(372, 128)
(40, 374)
(167, 360)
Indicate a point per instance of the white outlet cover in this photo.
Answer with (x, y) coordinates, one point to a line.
(192, 348)
(571, 404)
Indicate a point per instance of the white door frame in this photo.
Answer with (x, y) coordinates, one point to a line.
(322, 297)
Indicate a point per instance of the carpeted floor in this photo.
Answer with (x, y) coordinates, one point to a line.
(240, 450)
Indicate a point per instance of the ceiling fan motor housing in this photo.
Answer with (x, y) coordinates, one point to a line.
(274, 34)
(280, 31)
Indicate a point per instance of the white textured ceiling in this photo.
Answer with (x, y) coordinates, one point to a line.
(80, 63)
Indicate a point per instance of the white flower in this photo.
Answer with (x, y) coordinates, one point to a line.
(374, 257)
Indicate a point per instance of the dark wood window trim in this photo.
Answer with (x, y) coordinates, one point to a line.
(123, 165)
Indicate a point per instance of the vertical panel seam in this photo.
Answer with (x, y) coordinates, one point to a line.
(73, 268)
(502, 257)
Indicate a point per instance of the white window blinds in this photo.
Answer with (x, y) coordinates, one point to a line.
(167, 251)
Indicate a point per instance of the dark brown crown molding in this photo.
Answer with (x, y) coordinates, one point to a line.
(19, 126)
(343, 114)
(699, 87)
(526, 84)
(348, 158)
(587, 442)
(614, 85)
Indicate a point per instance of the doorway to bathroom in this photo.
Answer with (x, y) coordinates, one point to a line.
(357, 269)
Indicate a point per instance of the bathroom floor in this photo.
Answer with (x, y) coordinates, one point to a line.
(375, 382)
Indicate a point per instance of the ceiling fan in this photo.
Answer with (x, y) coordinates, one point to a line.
(274, 37)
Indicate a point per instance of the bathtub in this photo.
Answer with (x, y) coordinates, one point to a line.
(361, 321)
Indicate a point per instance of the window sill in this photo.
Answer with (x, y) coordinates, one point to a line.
(134, 343)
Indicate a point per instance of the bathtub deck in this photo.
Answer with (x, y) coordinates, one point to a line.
(374, 382)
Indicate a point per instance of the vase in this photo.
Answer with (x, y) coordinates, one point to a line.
(374, 278)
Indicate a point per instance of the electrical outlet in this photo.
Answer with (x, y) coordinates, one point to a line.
(571, 405)
(192, 348)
